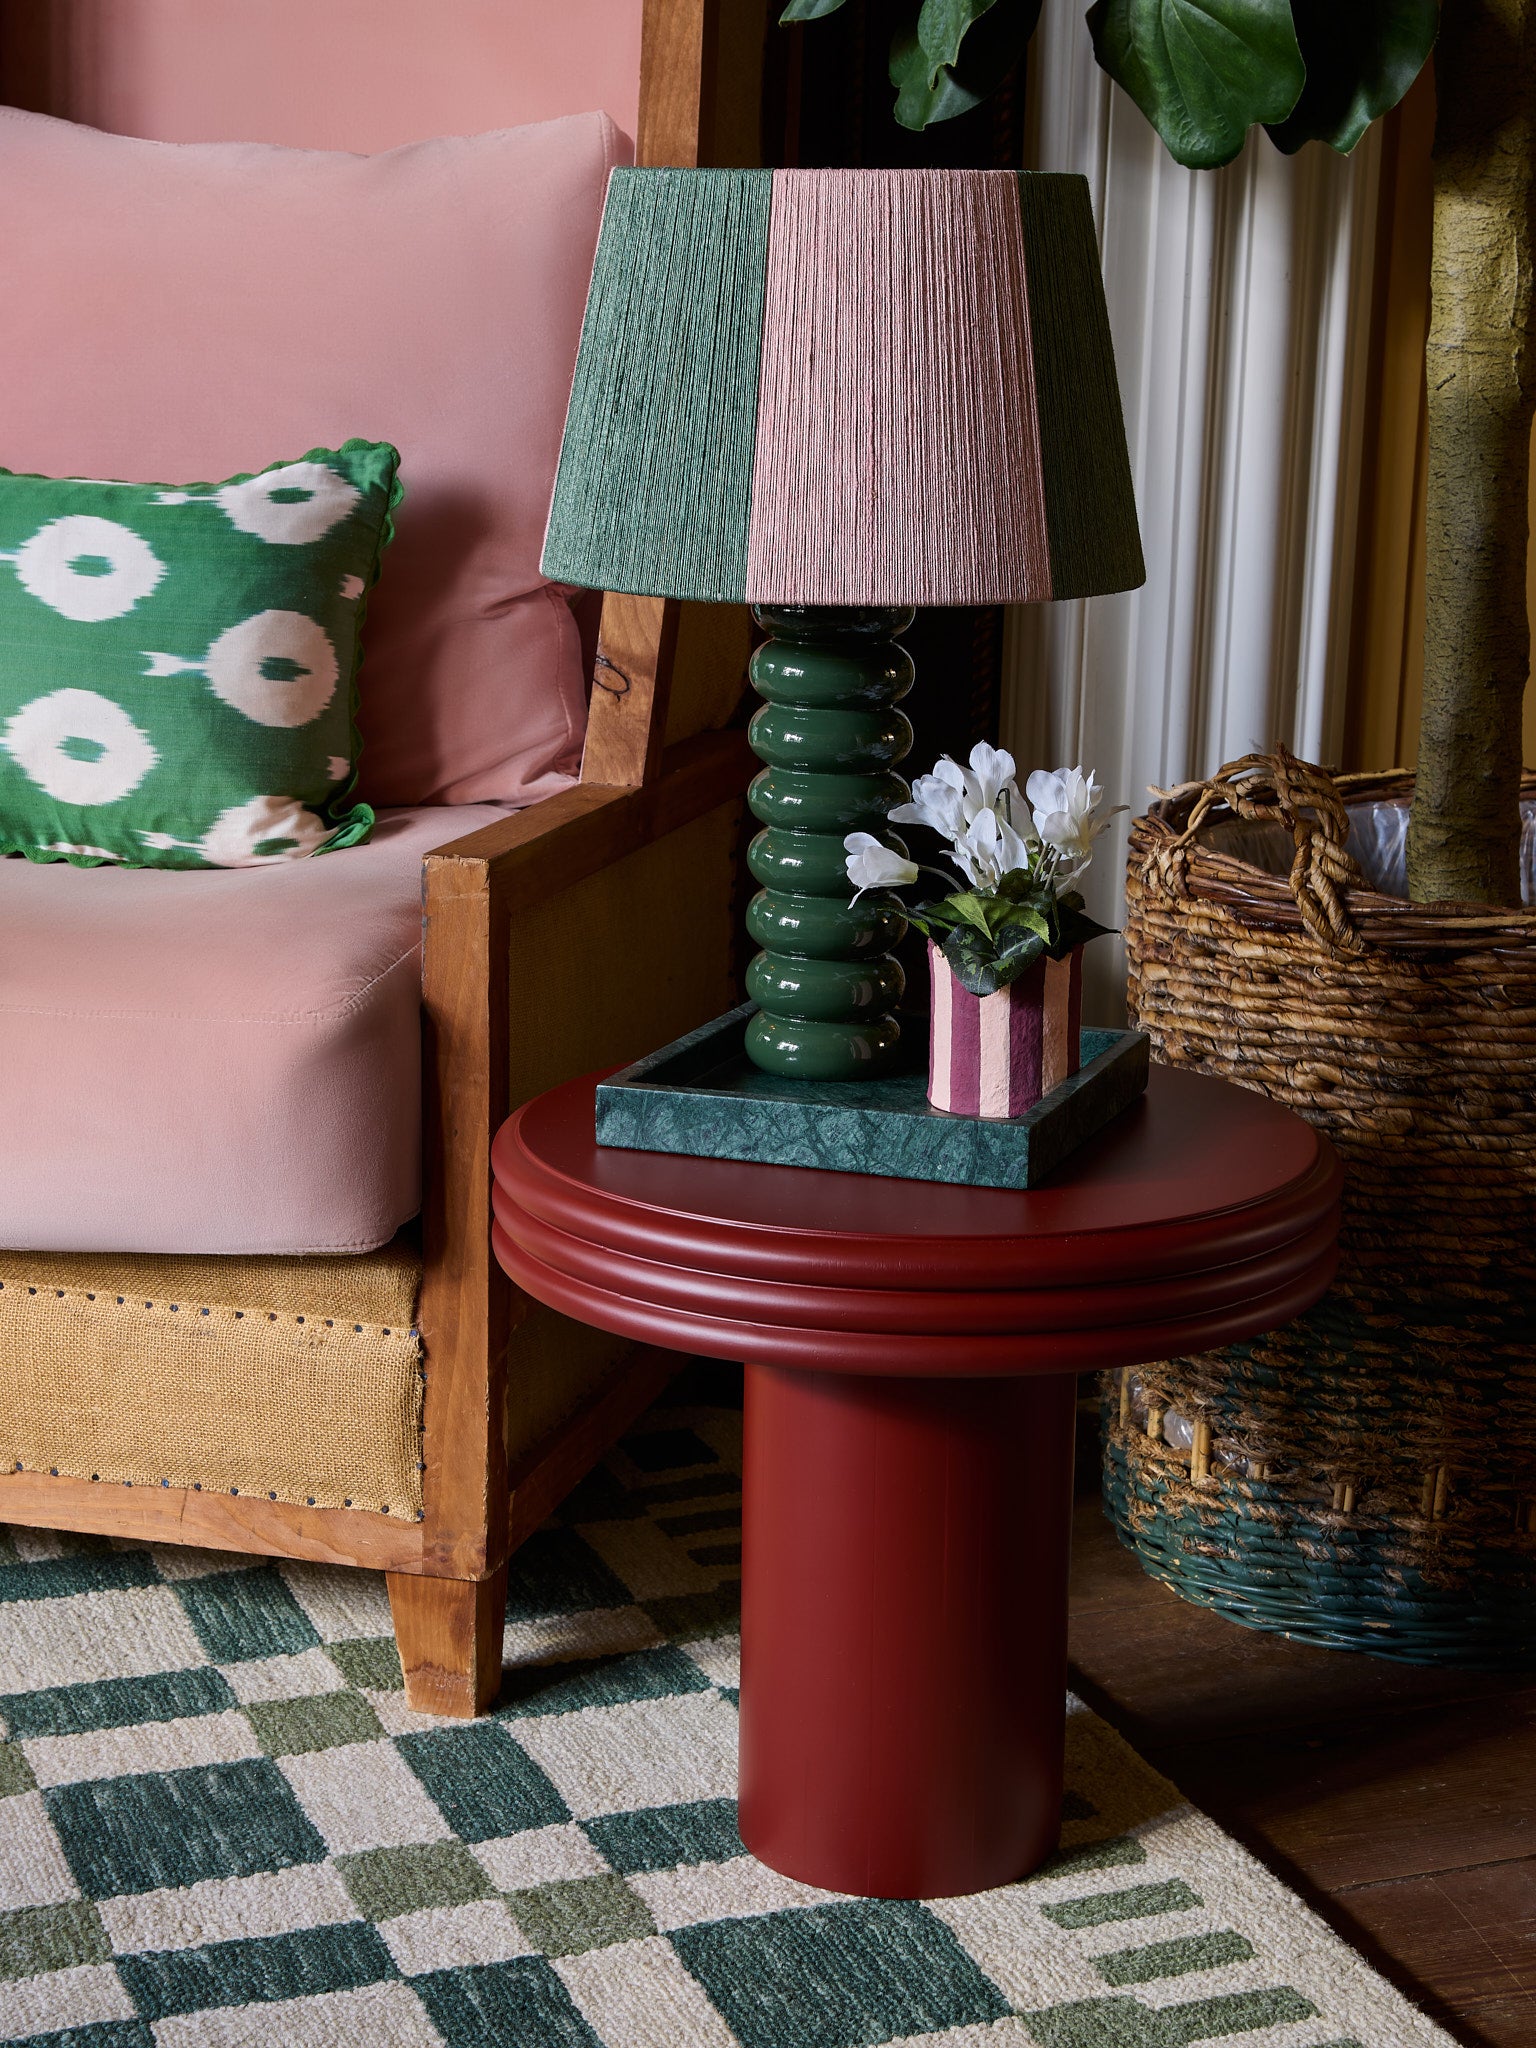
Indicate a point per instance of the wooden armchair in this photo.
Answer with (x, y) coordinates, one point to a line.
(580, 931)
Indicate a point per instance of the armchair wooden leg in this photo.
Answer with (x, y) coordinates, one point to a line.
(449, 1636)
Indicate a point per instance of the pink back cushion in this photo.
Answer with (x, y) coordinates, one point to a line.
(179, 312)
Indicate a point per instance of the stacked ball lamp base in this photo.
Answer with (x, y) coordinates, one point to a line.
(911, 1374)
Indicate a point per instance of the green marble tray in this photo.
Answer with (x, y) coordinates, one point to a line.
(702, 1096)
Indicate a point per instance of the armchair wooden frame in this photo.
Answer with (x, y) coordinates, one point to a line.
(447, 1573)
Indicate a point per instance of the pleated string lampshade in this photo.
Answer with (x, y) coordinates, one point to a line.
(836, 395)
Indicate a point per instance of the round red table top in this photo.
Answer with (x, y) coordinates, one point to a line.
(1202, 1215)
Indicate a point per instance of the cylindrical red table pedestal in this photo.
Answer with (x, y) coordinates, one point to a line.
(911, 1351)
(904, 1627)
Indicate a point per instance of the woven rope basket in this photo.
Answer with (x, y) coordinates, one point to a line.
(1366, 1477)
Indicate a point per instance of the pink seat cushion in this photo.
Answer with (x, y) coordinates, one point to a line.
(192, 310)
(219, 1061)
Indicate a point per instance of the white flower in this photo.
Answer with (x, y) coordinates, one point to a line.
(992, 772)
(989, 849)
(873, 865)
(936, 803)
(952, 797)
(1066, 805)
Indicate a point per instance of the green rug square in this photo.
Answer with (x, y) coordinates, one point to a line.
(371, 1663)
(575, 1914)
(324, 1720)
(178, 663)
(663, 1837)
(493, 2005)
(242, 1615)
(38, 1938)
(15, 1771)
(259, 1970)
(598, 1682)
(483, 1783)
(117, 1702)
(388, 1882)
(144, 1833)
(825, 1976)
(59, 1578)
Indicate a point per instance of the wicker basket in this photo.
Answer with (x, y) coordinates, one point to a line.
(1366, 1477)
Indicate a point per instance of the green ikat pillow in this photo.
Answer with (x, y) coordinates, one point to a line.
(178, 663)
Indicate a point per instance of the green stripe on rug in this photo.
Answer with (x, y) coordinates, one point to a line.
(655, 484)
(1139, 1903)
(1173, 1958)
(1082, 443)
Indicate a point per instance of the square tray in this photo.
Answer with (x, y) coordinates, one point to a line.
(702, 1096)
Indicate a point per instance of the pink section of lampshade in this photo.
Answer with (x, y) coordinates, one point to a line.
(898, 453)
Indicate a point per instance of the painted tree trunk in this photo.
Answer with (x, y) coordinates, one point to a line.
(1464, 838)
(998, 1055)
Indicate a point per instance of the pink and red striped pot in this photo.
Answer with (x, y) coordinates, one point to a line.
(998, 1055)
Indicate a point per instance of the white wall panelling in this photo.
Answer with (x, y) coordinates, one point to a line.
(1240, 302)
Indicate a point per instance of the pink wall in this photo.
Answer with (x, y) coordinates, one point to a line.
(335, 74)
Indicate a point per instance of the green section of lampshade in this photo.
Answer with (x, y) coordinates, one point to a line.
(655, 484)
(1090, 507)
(177, 663)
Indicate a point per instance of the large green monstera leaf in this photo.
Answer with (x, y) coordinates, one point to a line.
(1361, 58)
(1204, 72)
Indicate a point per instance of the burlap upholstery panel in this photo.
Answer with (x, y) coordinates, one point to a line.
(296, 1379)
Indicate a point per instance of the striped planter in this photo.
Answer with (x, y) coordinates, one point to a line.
(998, 1055)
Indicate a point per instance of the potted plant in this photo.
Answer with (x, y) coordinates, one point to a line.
(1367, 1477)
(1205, 72)
(1004, 952)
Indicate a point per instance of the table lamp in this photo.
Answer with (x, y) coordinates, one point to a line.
(836, 395)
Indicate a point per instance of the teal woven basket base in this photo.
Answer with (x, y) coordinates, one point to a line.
(1287, 1589)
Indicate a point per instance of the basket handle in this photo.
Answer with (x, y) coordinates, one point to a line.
(1277, 788)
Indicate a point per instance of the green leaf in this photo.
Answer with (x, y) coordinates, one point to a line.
(809, 10)
(1020, 917)
(941, 27)
(1020, 886)
(1074, 928)
(931, 918)
(1361, 58)
(973, 910)
(1203, 71)
(984, 969)
(954, 54)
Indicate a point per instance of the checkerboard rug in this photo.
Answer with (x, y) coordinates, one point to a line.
(221, 1826)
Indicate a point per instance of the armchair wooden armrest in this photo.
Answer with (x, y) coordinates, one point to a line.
(477, 1507)
(472, 890)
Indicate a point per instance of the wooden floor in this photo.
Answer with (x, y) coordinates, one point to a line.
(1400, 1803)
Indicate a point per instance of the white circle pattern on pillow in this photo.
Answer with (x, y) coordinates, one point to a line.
(290, 506)
(268, 828)
(275, 668)
(87, 569)
(79, 747)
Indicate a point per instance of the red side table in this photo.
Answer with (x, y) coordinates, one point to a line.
(911, 1353)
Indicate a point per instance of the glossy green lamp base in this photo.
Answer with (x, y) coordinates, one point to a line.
(825, 983)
